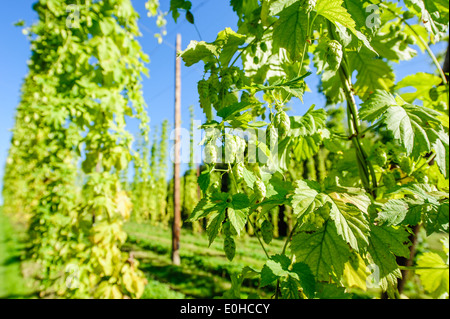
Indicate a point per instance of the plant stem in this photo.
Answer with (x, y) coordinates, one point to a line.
(354, 126)
(353, 122)
(259, 239)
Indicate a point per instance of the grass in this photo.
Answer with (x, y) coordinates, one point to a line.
(204, 272)
(12, 283)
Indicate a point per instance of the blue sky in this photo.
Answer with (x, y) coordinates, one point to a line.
(211, 16)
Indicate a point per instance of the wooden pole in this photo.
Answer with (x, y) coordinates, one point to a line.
(176, 171)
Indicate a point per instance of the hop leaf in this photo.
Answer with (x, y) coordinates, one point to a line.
(267, 231)
(229, 247)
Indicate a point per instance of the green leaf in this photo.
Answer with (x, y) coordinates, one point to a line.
(433, 14)
(228, 111)
(276, 267)
(267, 231)
(435, 281)
(440, 144)
(214, 225)
(349, 212)
(202, 209)
(179, 4)
(249, 178)
(204, 180)
(421, 81)
(392, 213)
(305, 277)
(305, 198)
(229, 247)
(417, 128)
(331, 86)
(289, 289)
(372, 73)
(228, 41)
(309, 123)
(324, 251)
(290, 31)
(238, 218)
(385, 244)
(305, 147)
(199, 51)
(331, 291)
(375, 106)
(348, 209)
(335, 12)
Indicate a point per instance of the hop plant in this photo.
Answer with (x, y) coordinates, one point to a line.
(271, 134)
(260, 190)
(203, 92)
(334, 56)
(240, 148)
(210, 153)
(238, 171)
(309, 5)
(230, 148)
(380, 157)
(406, 165)
(282, 123)
(227, 80)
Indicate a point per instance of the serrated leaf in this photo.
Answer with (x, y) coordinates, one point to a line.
(348, 210)
(290, 31)
(335, 12)
(238, 219)
(276, 267)
(305, 277)
(435, 281)
(305, 147)
(229, 247)
(356, 273)
(204, 180)
(309, 123)
(393, 212)
(385, 244)
(228, 41)
(230, 110)
(267, 231)
(199, 51)
(305, 197)
(249, 178)
(214, 225)
(202, 209)
(375, 106)
(372, 73)
(289, 289)
(421, 81)
(350, 219)
(433, 14)
(331, 291)
(416, 127)
(324, 251)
